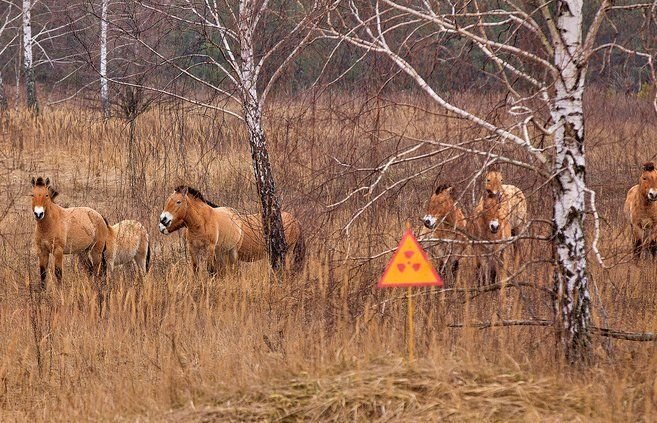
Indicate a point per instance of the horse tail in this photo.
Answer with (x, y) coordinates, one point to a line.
(299, 253)
(103, 260)
(148, 256)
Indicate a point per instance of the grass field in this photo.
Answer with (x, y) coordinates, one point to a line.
(324, 345)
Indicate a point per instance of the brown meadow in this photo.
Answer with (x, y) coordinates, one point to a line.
(325, 344)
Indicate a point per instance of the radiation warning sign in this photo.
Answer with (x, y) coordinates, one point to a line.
(409, 266)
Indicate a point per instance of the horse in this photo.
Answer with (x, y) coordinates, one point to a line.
(641, 211)
(220, 235)
(445, 220)
(490, 223)
(514, 204)
(59, 231)
(129, 243)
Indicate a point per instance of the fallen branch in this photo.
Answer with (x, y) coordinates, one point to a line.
(486, 325)
(628, 336)
(605, 332)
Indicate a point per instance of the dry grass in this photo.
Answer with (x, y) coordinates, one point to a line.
(324, 345)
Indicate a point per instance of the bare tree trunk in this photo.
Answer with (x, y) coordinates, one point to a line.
(271, 210)
(104, 89)
(572, 306)
(30, 83)
(3, 97)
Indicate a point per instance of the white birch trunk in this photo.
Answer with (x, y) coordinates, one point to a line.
(271, 212)
(104, 88)
(30, 83)
(572, 306)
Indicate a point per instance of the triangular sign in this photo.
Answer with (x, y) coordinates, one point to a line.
(409, 266)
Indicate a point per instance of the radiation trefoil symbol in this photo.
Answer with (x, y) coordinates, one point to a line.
(409, 266)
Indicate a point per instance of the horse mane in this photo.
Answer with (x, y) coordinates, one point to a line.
(648, 166)
(442, 187)
(196, 194)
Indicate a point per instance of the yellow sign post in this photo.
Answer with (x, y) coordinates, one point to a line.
(409, 267)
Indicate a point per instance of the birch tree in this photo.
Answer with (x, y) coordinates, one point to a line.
(245, 46)
(104, 85)
(28, 62)
(539, 54)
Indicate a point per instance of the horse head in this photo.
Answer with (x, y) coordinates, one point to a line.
(493, 183)
(648, 182)
(492, 212)
(440, 205)
(42, 196)
(173, 216)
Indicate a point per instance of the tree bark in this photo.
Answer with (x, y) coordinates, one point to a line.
(104, 88)
(28, 69)
(3, 96)
(572, 305)
(271, 210)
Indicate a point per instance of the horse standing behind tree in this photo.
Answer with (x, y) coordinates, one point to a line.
(641, 211)
(74, 230)
(513, 204)
(444, 220)
(220, 236)
(490, 222)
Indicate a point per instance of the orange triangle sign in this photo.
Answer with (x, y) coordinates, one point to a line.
(409, 266)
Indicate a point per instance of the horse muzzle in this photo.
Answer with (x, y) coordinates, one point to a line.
(163, 229)
(494, 226)
(652, 195)
(39, 213)
(429, 221)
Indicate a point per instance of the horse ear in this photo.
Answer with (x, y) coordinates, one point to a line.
(33, 181)
(184, 191)
(443, 187)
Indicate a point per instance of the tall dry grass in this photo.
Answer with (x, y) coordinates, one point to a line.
(323, 345)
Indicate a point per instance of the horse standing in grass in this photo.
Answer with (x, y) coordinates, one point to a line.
(59, 231)
(445, 220)
(129, 243)
(220, 236)
(641, 211)
(490, 223)
(513, 205)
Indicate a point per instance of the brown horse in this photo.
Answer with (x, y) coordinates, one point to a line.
(444, 220)
(221, 236)
(641, 211)
(129, 243)
(514, 204)
(490, 223)
(59, 231)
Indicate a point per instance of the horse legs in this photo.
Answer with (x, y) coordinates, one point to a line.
(84, 260)
(59, 259)
(98, 260)
(653, 248)
(44, 257)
